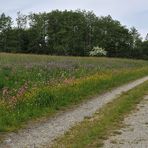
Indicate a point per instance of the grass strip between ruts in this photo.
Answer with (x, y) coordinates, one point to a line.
(92, 131)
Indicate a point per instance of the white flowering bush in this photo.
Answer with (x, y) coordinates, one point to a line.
(97, 51)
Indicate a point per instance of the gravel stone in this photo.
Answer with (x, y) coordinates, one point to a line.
(135, 135)
(39, 135)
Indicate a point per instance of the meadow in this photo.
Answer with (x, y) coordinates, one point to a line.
(34, 86)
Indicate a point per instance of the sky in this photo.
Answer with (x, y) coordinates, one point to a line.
(129, 12)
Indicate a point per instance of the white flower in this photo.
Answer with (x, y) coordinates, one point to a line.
(97, 51)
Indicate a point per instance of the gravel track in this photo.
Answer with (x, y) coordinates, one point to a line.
(135, 134)
(41, 134)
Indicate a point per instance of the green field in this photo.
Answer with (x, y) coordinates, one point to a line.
(32, 86)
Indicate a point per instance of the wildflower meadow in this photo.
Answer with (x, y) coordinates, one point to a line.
(33, 86)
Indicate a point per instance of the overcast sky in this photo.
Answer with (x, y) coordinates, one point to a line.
(128, 12)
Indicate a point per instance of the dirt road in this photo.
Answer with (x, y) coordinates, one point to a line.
(41, 134)
(135, 133)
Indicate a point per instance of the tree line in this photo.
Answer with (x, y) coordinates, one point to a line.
(72, 33)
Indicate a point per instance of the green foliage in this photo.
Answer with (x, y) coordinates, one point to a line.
(5, 27)
(44, 99)
(144, 48)
(68, 33)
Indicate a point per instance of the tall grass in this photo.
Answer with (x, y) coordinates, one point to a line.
(32, 86)
(19, 70)
(46, 100)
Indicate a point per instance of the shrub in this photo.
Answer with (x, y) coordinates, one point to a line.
(97, 51)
